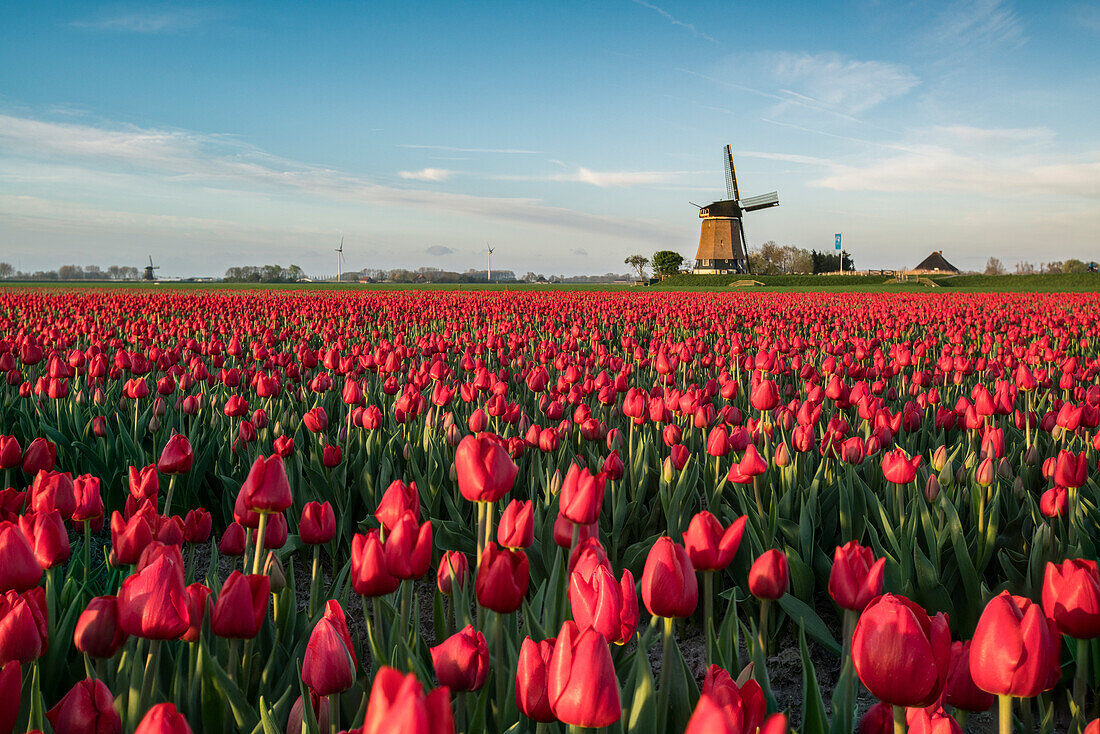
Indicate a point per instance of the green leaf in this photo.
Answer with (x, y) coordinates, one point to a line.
(813, 708)
(801, 614)
(641, 714)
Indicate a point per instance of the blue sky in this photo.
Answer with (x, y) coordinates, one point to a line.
(569, 135)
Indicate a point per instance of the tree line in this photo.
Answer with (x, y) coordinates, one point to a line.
(72, 272)
(770, 258)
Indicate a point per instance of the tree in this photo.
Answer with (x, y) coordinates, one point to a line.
(667, 262)
(1069, 266)
(639, 263)
(6, 270)
(993, 266)
(1024, 268)
(827, 262)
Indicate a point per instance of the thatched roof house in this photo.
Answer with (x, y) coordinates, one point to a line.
(934, 264)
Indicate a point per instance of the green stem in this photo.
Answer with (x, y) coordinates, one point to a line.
(87, 550)
(406, 611)
(900, 726)
(500, 669)
(1080, 687)
(313, 581)
(260, 531)
(148, 684)
(480, 531)
(168, 497)
(333, 712)
(1004, 711)
(762, 633)
(664, 682)
(708, 612)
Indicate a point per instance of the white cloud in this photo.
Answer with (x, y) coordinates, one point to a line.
(979, 24)
(454, 149)
(438, 250)
(142, 155)
(148, 22)
(427, 174)
(935, 168)
(840, 83)
(602, 179)
(674, 21)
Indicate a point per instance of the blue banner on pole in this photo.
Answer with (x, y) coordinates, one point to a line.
(838, 241)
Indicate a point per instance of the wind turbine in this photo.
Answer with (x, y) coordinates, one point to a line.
(489, 264)
(340, 261)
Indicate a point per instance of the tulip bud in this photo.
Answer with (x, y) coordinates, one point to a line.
(985, 473)
(932, 488)
(154, 424)
(273, 569)
(939, 459)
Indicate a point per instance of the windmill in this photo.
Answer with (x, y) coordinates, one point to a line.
(722, 244)
(489, 264)
(340, 261)
(149, 270)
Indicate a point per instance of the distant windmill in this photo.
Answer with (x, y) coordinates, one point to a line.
(340, 261)
(489, 264)
(149, 270)
(722, 244)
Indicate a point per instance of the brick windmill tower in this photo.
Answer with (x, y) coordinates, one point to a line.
(722, 245)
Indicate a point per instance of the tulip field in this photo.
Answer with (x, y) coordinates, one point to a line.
(435, 512)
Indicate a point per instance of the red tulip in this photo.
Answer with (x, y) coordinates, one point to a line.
(899, 468)
(769, 575)
(563, 531)
(316, 420)
(581, 497)
(398, 704)
(329, 665)
(266, 489)
(960, 691)
(48, 537)
(275, 534)
(197, 526)
(23, 626)
(669, 587)
(284, 446)
(1015, 650)
(708, 545)
(745, 707)
(318, 523)
(398, 499)
(11, 454)
(241, 606)
(19, 569)
(856, 577)
(369, 575)
(11, 684)
(900, 654)
(331, 456)
(144, 483)
(89, 500)
(764, 396)
(1070, 470)
(502, 579)
(152, 602)
(130, 537)
(53, 491)
(581, 681)
(319, 704)
(98, 630)
(1071, 597)
(718, 443)
(232, 541)
(879, 719)
(453, 569)
(532, 696)
(485, 471)
(163, 719)
(40, 455)
(89, 708)
(600, 602)
(176, 457)
(462, 660)
(517, 525)
(198, 599)
(1054, 502)
(408, 548)
(751, 465)
(929, 721)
